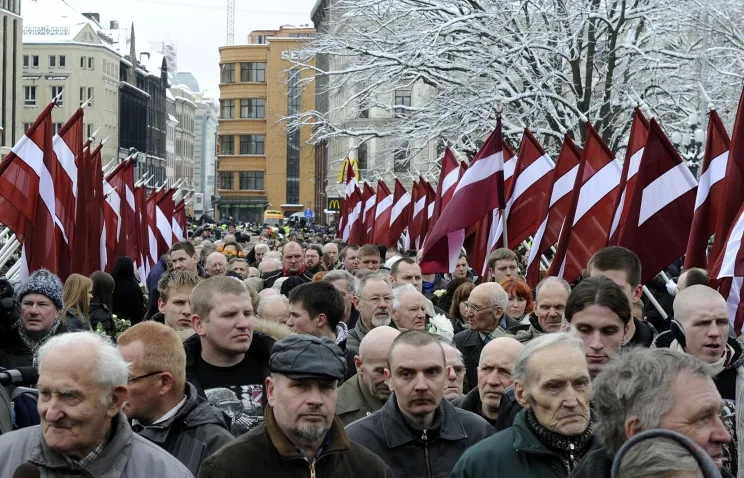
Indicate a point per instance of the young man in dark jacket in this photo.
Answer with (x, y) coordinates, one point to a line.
(418, 433)
(301, 435)
(163, 407)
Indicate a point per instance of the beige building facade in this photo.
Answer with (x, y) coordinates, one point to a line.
(11, 58)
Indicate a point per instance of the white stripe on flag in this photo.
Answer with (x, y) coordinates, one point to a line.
(419, 206)
(715, 172)
(728, 264)
(564, 185)
(404, 201)
(130, 197)
(153, 245)
(635, 163)
(30, 154)
(370, 204)
(536, 242)
(450, 180)
(618, 213)
(734, 298)
(102, 247)
(67, 160)
(664, 190)
(177, 231)
(384, 205)
(430, 211)
(482, 169)
(534, 172)
(509, 167)
(598, 186)
(164, 226)
(455, 240)
(112, 197)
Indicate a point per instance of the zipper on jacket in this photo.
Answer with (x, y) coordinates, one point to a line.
(312, 469)
(426, 454)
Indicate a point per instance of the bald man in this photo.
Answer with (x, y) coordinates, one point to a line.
(494, 376)
(693, 276)
(367, 392)
(216, 264)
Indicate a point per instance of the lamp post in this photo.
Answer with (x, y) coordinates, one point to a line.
(691, 144)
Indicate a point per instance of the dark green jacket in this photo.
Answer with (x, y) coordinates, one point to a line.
(266, 452)
(355, 401)
(513, 453)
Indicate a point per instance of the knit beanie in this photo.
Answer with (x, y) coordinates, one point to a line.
(45, 283)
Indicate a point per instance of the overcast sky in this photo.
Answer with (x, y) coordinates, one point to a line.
(197, 27)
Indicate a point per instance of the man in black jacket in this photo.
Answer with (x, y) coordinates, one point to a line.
(226, 360)
(293, 265)
(163, 407)
(416, 432)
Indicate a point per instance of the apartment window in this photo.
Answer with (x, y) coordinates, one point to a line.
(26, 61)
(85, 95)
(260, 39)
(57, 127)
(29, 96)
(26, 126)
(228, 109)
(252, 144)
(253, 108)
(228, 73)
(362, 156)
(227, 144)
(90, 62)
(57, 91)
(226, 179)
(364, 113)
(88, 130)
(252, 180)
(52, 61)
(401, 161)
(253, 72)
(82, 62)
(402, 98)
(62, 61)
(35, 61)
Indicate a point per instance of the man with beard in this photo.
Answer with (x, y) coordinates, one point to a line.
(312, 259)
(301, 435)
(550, 305)
(416, 431)
(374, 301)
(367, 392)
(331, 249)
(700, 329)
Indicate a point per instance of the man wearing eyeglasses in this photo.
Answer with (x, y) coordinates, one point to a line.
(163, 406)
(487, 321)
(373, 299)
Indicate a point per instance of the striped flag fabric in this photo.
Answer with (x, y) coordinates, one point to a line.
(400, 213)
(370, 202)
(383, 211)
(729, 270)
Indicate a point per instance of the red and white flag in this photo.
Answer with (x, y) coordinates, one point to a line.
(420, 215)
(709, 193)
(111, 225)
(163, 220)
(729, 270)
(152, 227)
(178, 221)
(636, 143)
(382, 216)
(400, 213)
(143, 262)
(370, 202)
(588, 221)
(449, 176)
(479, 191)
(554, 211)
(660, 211)
(95, 212)
(350, 185)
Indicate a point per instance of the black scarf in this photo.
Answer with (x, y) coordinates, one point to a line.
(569, 449)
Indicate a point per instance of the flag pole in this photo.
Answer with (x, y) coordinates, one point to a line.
(655, 303)
(499, 109)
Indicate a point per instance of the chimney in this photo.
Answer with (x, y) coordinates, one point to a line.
(113, 25)
(96, 17)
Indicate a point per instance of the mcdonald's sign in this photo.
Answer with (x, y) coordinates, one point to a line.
(333, 204)
(344, 165)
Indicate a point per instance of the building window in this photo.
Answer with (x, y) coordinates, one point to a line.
(57, 127)
(294, 94)
(29, 96)
(85, 95)
(253, 72)
(82, 62)
(402, 98)
(26, 126)
(252, 180)
(364, 113)
(253, 108)
(52, 61)
(228, 73)
(26, 62)
(226, 179)
(401, 161)
(90, 62)
(252, 144)
(228, 109)
(62, 61)
(227, 144)
(35, 61)
(89, 130)
(362, 156)
(57, 91)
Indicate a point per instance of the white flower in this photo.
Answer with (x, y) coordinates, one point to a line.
(439, 293)
(441, 325)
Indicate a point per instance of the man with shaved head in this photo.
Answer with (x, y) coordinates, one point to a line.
(701, 329)
(484, 314)
(293, 265)
(367, 392)
(494, 375)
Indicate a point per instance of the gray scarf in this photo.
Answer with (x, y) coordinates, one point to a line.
(35, 345)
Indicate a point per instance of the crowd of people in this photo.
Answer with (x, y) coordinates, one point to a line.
(275, 352)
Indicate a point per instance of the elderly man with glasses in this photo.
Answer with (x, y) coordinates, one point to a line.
(487, 321)
(373, 299)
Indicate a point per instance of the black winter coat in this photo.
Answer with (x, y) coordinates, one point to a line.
(75, 322)
(100, 314)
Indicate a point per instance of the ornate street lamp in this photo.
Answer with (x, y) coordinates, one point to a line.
(691, 144)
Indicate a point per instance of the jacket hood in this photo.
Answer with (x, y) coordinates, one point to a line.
(644, 332)
(535, 323)
(275, 330)
(664, 340)
(472, 402)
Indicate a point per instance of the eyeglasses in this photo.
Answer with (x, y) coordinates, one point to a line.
(386, 299)
(470, 307)
(134, 379)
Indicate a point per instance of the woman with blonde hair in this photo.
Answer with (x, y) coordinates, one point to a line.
(76, 296)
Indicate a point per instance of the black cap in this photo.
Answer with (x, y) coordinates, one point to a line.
(305, 356)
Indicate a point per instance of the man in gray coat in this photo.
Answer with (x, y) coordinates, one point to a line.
(163, 407)
(82, 387)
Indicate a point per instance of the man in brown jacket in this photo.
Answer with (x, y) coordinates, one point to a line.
(301, 435)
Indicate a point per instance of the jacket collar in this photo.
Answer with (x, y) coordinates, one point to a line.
(110, 463)
(398, 433)
(526, 440)
(339, 441)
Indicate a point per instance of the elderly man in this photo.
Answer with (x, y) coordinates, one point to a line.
(274, 308)
(239, 266)
(487, 321)
(350, 258)
(82, 388)
(416, 430)
(345, 284)
(659, 388)
(269, 265)
(163, 407)
(259, 250)
(455, 371)
(407, 271)
(41, 301)
(502, 264)
(293, 265)
(216, 264)
(301, 435)
(409, 308)
(553, 433)
(332, 250)
(368, 391)
(550, 305)
(312, 259)
(253, 272)
(494, 376)
(701, 329)
(369, 257)
(373, 299)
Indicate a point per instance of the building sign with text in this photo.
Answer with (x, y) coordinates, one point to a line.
(333, 204)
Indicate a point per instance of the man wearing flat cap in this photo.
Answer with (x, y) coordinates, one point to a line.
(301, 435)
